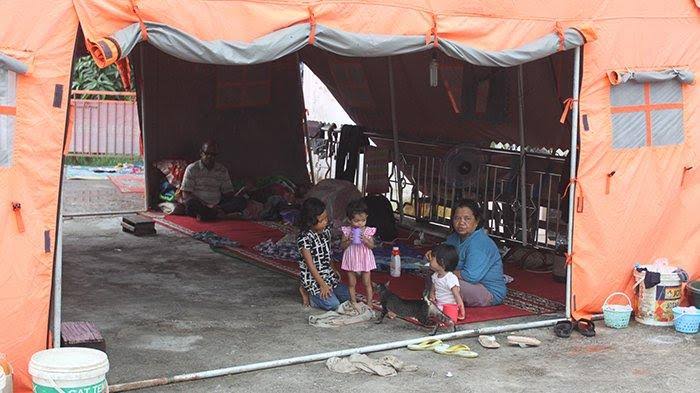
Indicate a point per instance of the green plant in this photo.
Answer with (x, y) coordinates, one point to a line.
(88, 76)
(106, 161)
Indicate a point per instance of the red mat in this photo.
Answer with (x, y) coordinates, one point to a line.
(132, 182)
(529, 294)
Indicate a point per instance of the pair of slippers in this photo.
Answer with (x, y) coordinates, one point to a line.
(584, 326)
(437, 346)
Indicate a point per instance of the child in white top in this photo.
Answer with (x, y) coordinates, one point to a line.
(445, 289)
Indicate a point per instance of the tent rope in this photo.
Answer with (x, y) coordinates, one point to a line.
(560, 32)
(568, 103)
(142, 25)
(569, 258)
(608, 178)
(685, 170)
(312, 23)
(431, 35)
(17, 208)
(579, 198)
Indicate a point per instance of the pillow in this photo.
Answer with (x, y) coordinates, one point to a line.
(173, 169)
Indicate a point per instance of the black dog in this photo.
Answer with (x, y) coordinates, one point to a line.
(424, 311)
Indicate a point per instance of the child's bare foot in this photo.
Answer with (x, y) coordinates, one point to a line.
(304, 297)
(390, 315)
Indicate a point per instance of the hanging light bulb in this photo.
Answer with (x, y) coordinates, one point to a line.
(433, 70)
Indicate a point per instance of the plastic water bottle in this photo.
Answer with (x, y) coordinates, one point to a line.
(395, 263)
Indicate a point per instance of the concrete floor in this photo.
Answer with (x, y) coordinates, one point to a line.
(169, 305)
(91, 196)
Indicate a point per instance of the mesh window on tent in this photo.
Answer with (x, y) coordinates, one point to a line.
(8, 85)
(646, 114)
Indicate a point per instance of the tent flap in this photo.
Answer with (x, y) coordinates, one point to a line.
(538, 49)
(683, 76)
(12, 64)
(291, 39)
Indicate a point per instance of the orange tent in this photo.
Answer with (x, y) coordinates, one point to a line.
(637, 187)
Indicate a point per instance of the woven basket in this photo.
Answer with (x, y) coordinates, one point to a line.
(686, 322)
(617, 316)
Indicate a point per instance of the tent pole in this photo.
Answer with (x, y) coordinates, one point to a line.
(142, 116)
(58, 276)
(397, 154)
(521, 129)
(123, 387)
(305, 123)
(572, 175)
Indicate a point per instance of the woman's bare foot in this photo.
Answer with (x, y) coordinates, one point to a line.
(304, 297)
(390, 315)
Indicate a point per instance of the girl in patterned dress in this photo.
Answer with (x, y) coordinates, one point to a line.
(358, 242)
(319, 281)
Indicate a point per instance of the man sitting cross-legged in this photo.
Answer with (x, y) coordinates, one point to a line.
(206, 187)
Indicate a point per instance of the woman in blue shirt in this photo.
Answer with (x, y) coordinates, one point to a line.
(480, 268)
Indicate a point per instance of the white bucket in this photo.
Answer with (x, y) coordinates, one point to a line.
(69, 370)
(655, 305)
(5, 374)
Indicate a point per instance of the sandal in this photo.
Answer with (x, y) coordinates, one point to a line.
(523, 341)
(489, 342)
(563, 329)
(585, 326)
(427, 345)
(460, 350)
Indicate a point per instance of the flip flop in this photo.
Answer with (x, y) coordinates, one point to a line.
(523, 341)
(426, 345)
(459, 350)
(489, 342)
(585, 326)
(563, 329)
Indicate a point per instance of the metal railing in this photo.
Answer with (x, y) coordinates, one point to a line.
(104, 125)
(429, 196)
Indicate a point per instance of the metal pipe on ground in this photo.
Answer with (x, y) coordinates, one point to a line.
(123, 387)
(98, 214)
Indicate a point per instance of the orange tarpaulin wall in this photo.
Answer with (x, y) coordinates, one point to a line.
(646, 133)
(40, 35)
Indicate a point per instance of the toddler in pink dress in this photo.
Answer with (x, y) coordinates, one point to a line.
(358, 242)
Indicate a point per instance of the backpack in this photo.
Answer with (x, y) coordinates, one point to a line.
(381, 216)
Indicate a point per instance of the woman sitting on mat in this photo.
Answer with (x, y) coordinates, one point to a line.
(480, 268)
